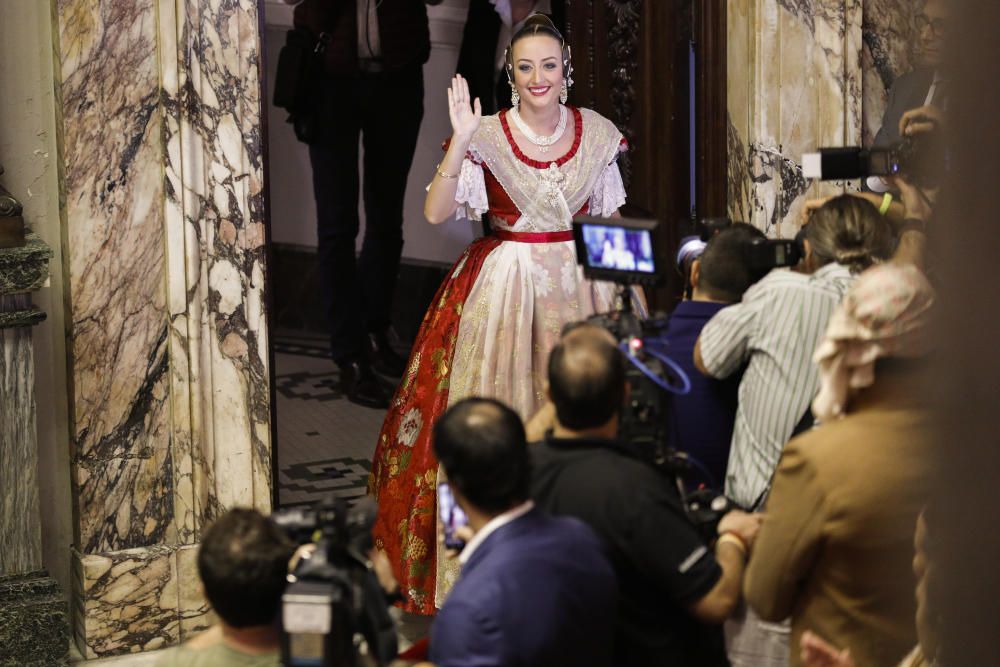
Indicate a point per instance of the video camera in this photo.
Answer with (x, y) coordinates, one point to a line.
(921, 158)
(333, 610)
(762, 255)
(653, 377)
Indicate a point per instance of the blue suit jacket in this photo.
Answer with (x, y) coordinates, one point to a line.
(537, 592)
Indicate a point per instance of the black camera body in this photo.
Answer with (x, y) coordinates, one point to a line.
(333, 609)
(763, 255)
(920, 158)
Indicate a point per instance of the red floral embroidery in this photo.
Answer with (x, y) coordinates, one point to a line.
(404, 469)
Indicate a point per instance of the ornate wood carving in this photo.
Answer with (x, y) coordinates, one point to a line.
(631, 59)
(623, 37)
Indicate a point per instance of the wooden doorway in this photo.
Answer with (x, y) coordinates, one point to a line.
(645, 64)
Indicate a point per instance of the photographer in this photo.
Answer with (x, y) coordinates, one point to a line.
(535, 590)
(703, 418)
(242, 562)
(774, 331)
(674, 588)
(911, 206)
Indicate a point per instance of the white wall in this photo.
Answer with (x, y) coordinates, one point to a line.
(293, 212)
(29, 156)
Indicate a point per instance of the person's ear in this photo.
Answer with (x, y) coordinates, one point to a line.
(695, 273)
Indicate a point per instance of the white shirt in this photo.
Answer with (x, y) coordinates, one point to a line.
(368, 20)
(495, 523)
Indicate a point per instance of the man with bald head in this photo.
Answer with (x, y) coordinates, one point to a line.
(674, 590)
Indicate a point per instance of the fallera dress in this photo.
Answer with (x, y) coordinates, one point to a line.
(492, 323)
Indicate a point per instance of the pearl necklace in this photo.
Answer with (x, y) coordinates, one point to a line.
(542, 142)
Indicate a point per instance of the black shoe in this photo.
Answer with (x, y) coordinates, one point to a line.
(362, 386)
(384, 359)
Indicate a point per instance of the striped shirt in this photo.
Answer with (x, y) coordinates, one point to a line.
(774, 330)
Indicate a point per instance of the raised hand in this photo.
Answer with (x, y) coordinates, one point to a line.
(464, 117)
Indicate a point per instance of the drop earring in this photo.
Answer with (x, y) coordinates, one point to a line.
(515, 97)
(564, 93)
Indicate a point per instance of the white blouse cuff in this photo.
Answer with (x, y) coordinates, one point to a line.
(471, 193)
(609, 193)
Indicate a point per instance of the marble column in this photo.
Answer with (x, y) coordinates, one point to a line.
(33, 610)
(804, 75)
(164, 264)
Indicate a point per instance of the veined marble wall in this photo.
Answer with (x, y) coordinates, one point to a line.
(804, 74)
(164, 270)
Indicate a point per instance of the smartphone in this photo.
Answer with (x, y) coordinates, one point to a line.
(452, 516)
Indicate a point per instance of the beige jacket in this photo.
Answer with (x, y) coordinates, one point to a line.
(836, 549)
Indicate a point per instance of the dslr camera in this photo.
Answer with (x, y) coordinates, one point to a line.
(921, 158)
(333, 611)
(762, 255)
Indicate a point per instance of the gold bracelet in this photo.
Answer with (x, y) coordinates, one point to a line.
(443, 174)
(735, 540)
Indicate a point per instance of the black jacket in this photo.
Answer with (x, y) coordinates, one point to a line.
(403, 31)
(661, 562)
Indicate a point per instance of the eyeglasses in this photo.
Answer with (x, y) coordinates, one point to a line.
(939, 25)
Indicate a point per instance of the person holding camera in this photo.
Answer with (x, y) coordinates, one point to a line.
(535, 590)
(718, 277)
(774, 331)
(243, 562)
(675, 587)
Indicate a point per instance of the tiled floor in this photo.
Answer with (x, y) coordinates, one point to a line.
(325, 442)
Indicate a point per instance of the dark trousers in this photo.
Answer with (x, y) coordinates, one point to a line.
(384, 110)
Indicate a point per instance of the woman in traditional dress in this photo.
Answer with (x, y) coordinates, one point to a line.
(491, 325)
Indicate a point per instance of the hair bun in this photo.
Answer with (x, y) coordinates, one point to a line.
(856, 260)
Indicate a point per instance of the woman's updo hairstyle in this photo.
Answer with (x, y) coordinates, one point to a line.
(534, 25)
(850, 231)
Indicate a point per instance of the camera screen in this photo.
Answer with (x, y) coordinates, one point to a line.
(452, 516)
(619, 249)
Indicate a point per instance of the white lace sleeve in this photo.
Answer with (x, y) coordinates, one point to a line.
(471, 193)
(609, 193)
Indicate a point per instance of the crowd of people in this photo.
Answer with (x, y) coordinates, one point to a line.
(802, 410)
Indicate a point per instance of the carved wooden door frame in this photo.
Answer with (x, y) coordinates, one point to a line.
(631, 64)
